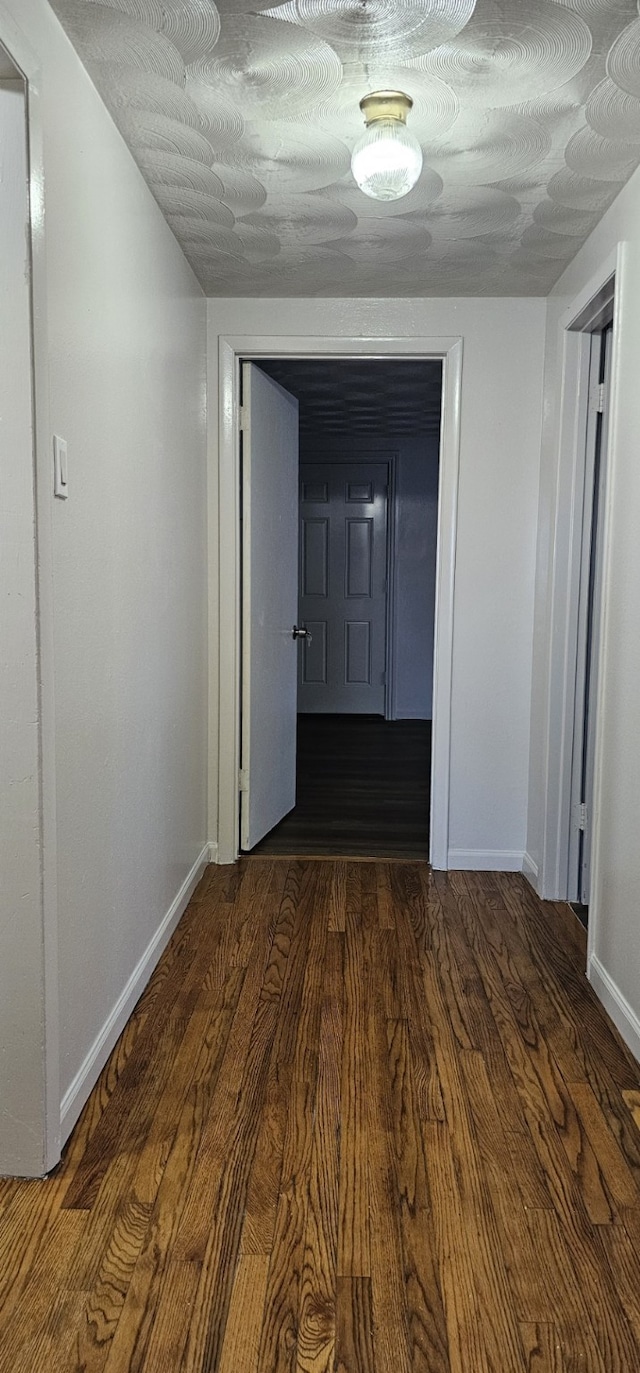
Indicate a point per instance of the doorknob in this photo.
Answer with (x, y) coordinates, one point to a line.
(301, 632)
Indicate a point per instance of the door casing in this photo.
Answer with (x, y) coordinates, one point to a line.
(28, 64)
(588, 312)
(225, 760)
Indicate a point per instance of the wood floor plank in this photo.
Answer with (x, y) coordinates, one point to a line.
(241, 1342)
(278, 1344)
(162, 1247)
(424, 1306)
(215, 1234)
(536, 1015)
(546, 1102)
(466, 994)
(23, 1320)
(104, 1303)
(526, 1277)
(317, 1310)
(389, 1300)
(613, 1166)
(354, 1252)
(501, 1334)
(365, 1119)
(127, 1122)
(561, 1143)
(542, 1348)
(386, 919)
(354, 1333)
(338, 899)
(569, 1306)
(171, 1327)
(414, 935)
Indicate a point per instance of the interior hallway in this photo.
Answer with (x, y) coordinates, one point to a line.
(362, 789)
(364, 1118)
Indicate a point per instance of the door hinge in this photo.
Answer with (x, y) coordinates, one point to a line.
(599, 398)
(243, 419)
(243, 780)
(582, 816)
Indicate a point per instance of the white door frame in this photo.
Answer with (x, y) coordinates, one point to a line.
(28, 63)
(586, 312)
(252, 347)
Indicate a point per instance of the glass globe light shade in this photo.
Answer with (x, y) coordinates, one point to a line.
(387, 160)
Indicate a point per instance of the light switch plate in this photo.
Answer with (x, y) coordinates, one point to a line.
(60, 487)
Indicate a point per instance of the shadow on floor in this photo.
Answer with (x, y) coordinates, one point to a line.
(362, 789)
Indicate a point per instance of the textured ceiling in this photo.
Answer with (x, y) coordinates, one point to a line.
(387, 400)
(242, 119)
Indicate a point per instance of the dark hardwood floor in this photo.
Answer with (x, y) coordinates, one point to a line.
(362, 789)
(364, 1119)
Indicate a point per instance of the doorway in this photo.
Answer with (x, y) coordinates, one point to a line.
(369, 439)
(225, 737)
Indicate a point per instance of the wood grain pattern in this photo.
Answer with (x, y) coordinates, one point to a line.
(364, 1119)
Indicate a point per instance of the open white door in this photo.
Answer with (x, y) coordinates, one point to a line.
(269, 603)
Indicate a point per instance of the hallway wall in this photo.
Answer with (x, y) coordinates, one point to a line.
(503, 343)
(127, 340)
(615, 895)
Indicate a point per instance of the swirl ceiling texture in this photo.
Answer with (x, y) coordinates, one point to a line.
(242, 118)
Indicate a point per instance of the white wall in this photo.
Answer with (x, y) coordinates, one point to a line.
(615, 896)
(127, 346)
(21, 1009)
(415, 517)
(500, 447)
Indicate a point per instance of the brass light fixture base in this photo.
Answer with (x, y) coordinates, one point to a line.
(386, 105)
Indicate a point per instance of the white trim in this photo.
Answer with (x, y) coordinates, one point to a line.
(231, 349)
(583, 314)
(27, 61)
(604, 672)
(451, 399)
(615, 1004)
(574, 343)
(530, 870)
(213, 853)
(485, 860)
(89, 1071)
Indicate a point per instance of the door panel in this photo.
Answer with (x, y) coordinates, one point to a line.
(343, 596)
(269, 604)
(359, 551)
(315, 558)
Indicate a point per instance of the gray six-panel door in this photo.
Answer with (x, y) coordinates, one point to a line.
(343, 594)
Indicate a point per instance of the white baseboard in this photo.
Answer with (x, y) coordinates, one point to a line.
(88, 1073)
(530, 870)
(616, 1005)
(485, 860)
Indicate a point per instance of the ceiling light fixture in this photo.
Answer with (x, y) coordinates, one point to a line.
(387, 160)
